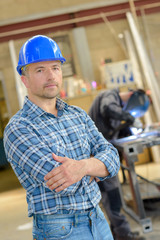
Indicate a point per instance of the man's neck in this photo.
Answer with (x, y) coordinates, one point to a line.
(48, 105)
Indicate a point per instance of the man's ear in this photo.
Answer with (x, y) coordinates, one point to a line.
(24, 79)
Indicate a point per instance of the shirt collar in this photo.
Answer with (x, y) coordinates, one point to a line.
(31, 109)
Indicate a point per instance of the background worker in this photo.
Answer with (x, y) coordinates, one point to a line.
(49, 143)
(108, 110)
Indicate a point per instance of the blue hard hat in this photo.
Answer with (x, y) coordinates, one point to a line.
(137, 104)
(37, 49)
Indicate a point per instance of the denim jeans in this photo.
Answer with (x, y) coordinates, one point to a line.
(90, 225)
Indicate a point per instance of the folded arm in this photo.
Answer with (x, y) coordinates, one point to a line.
(104, 163)
(71, 171)
(32, 155)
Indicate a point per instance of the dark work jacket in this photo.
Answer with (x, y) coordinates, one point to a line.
(107, 113)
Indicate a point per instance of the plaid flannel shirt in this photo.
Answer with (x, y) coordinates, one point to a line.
(29, 140)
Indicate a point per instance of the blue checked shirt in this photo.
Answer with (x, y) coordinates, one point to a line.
(29, 140)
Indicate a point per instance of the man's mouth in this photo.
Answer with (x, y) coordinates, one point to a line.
(51, 85)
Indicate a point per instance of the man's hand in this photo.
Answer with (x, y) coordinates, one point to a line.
(68, 173)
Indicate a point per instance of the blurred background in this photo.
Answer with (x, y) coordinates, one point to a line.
(107, 44)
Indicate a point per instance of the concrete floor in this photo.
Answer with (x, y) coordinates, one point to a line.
(14, 223)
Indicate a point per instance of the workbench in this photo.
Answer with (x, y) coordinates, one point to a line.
(130, 147)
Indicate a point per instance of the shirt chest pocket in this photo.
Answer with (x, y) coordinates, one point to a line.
(55, 143)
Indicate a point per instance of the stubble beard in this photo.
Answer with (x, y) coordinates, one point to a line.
(50, 95)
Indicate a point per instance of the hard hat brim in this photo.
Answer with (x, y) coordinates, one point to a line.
(19, 67)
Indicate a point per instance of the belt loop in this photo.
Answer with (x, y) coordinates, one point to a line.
(35, 220)
(97, 211)
(76, 220)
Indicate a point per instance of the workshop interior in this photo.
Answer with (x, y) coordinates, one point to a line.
(107, 44)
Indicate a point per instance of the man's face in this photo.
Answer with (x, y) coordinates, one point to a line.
(43, 79)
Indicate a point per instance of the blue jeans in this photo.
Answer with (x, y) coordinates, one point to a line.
(90, 225)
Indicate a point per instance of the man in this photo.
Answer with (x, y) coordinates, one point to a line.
(108, 110)
(49, 145)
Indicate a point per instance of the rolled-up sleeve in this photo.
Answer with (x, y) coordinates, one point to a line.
(31, 156)
(24, 149)
(103, 150)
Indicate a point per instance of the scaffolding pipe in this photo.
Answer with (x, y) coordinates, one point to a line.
(133, 11)
(21, 91)
(9, 112)
(137, 73)
(140, 84)
(147, 34)
(132, 56)
(113, 32)
(146, 65)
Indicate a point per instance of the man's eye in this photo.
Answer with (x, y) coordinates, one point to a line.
(39, 70)
(56, 68)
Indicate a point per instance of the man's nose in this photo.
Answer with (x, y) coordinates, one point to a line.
(50, 72)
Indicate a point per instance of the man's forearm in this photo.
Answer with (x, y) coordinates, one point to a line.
(71, 171)
(95, 167)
